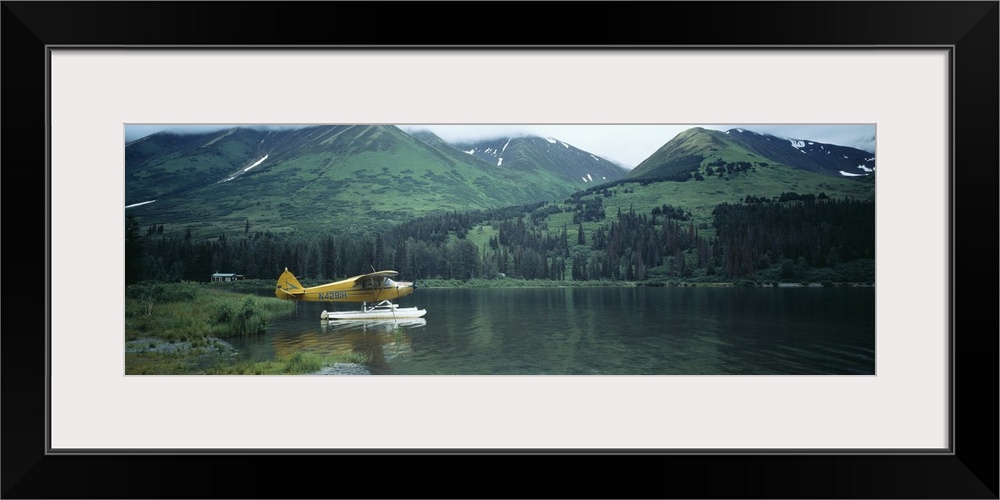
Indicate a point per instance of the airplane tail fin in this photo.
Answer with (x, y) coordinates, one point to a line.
(288, 287)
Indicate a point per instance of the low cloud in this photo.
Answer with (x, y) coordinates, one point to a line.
(133, 132)
(627, 144)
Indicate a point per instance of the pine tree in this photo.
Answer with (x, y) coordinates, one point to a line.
(133, 250)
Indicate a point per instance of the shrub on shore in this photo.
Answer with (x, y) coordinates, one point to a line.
(190, 311)
(246, 319)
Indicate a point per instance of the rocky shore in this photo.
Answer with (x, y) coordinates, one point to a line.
(159, 346)
(216, 346)
(343, 369)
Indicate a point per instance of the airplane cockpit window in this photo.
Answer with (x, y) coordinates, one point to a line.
(389, 283)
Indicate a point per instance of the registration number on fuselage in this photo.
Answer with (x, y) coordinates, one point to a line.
(332, 295)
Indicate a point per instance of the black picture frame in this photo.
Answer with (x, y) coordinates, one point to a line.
(970, 29)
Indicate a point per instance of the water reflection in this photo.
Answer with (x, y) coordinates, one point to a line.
(601, 331)
(373, 325)
(380, 341)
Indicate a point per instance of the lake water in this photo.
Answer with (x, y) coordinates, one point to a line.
(598, 331)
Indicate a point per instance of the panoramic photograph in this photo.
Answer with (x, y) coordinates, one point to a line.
(478, 249)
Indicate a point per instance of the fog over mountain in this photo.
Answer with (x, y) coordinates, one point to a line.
(625, 144)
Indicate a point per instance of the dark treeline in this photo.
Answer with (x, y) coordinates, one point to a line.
(804, 233)
(419, 248)
(256, 255)
(630, 245)
(791, 233)
(435, 229)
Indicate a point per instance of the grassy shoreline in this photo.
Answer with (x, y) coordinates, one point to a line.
(181, 328)
(859, 272)
(259, 285)
(517, 283)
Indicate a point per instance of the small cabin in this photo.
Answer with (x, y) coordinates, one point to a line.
(226, 277)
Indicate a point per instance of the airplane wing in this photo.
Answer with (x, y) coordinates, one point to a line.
(376, 274)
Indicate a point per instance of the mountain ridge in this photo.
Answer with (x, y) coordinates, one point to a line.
(356, 178)
(365, 177)
(694, 151)
(531, 152)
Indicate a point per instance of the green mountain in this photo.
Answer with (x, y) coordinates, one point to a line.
(341, 178)
(431, 139)
(699, 169)
(698, 151)
(705, 207)
(547, 157)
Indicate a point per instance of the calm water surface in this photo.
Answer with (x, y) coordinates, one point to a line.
(599, 331)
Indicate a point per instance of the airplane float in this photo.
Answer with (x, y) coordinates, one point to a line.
(376, 288)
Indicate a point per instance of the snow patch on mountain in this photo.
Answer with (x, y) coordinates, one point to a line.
(255, 164)
(245, 170)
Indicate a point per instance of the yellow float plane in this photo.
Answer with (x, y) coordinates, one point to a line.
(376, 287)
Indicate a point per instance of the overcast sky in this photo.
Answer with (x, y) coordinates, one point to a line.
(626, 144)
